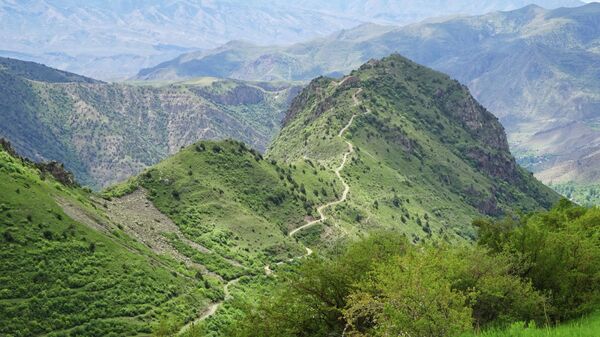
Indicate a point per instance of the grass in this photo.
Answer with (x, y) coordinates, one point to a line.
(62, 278)
(586, 327)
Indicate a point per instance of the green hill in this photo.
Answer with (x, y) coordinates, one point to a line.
(67, 270)
(150, 254)
(231, 200)
(421, 155)
(105, 133)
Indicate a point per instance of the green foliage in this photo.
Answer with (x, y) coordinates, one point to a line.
(384, 286)
(561, 250)
(435, 291)
(62, 278)
(233, 202)
(408, 295)
(314, 293)
(418, 136)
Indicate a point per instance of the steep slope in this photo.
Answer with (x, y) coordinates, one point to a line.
(68, 270)
(154, 254)
(105, 133)
(535, 69)
(394, 145)
(417, 152)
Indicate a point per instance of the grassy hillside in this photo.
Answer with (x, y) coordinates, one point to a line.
(63, 278)
(393, 146)
(423, 156)
(541, 269)
(228, 198)
(106, 133)
(153, 253)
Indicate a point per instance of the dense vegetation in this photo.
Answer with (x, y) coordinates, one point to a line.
(540, 270)
(408, 156)
(62, 278)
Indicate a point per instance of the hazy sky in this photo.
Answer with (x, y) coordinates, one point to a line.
(119, 37)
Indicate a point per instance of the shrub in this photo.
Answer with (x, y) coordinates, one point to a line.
(561, 251)
(408, 296)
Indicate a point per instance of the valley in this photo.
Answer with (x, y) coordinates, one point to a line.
(105, 133)
(225, 216)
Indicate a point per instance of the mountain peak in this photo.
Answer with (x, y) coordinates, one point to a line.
(415, 129)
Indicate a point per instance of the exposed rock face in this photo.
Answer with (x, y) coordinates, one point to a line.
(459, 105)
(58, 171)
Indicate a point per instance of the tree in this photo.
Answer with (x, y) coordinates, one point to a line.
(409, 296)
(560, 250)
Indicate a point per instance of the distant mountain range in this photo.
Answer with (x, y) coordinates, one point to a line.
(105, 133)
(536, 69)
(114, 39)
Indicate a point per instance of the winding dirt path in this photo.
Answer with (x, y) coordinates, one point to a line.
(320, 209)
(212, 309)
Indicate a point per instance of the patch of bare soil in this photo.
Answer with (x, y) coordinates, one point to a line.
(138, 217)
(78, 214)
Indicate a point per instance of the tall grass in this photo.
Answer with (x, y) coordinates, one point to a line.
(586, 327)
